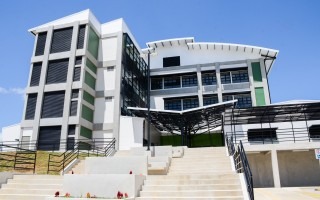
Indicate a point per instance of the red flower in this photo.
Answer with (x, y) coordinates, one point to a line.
(119, 195)
(125, 195)
(130, 172)
(57, 194)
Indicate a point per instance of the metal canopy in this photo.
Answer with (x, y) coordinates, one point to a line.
(273, 114)
(191, 121)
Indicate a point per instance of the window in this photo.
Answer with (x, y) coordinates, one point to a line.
(111, 68)
(190, 103)
(156, 83)
(53, 103)
(227, 97)
(76, 74)
(41, 43)
(172, 104)
(36, 72)
(49, 138)
(171, 61)
(262, 134)
(314, 131)
(31, 106)
(82, 31)
(61, 40)
(78, 60)
(74, 108)
(189, 80)
(209, 79)
(172, 82)
(209, 100)
(225, 77)
(244, 101)
(57, 71)
(240, 76)
(72, 130)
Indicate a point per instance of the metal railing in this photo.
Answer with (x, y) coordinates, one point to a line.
(18, 158)
(293, 135)
(58, 162)
(241, 163)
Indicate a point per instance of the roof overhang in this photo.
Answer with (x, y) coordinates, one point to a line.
(170, 42)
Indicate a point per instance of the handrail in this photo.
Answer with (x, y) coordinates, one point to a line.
(57, 163)
(18, 158)
(241, 163)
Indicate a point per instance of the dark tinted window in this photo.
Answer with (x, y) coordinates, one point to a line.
(262, 134)
(49, 138)
(57, 71)
(41, 43)
(156, 83)
(61, 40)
(190, 103)
(36, 72)
(209, 79)
(209, 100)
(171, 61)
(31, 106)
(52, 104)
(76, 74)
(314, 131)
(225, 77)
(172, 82)
(189, 80)
(172, 104)
(82, 30)
(240, 76)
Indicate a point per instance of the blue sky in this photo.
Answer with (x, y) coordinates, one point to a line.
(292, 27)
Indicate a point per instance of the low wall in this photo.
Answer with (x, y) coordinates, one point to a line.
(116, 165)
(261, 168)
(102, 185)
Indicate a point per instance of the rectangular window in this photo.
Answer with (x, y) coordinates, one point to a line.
(87, 113)
(70, 143)
(57, 71)
(78, 60)
(35, 75)
(41, 43)
(75, 94)
(260, 100)
(256, 72)
(209, 100)
(225, 77)
(314, 131)
(61, 40)
(93, 45)
(73, 108)
(91, 66)
(240, 76)
(85, 132)
(53, 103)
(172, 104)
(172, 82)
(88, 97)
(209, 79)
(190, 103)
(82, 31)
(31, 106)
(49, 138)
(227, 97)
(244, 100)
(90, 80)
(189, 80)
(156, 83)
(72, 130)
(171, 61)
(263, 134)
(76, 74)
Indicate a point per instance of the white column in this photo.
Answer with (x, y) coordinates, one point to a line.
(219, 85)
(200, 94)
(275, 169)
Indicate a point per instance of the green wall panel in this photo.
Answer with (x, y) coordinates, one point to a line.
(85, 132)
(256, 71)
(91, 66)
(88, 97)
(260, 100)
(93, 46)
(87, 113)
(202, 140)
(90, 80)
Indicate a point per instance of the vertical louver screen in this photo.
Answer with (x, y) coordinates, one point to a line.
(78, 60)
(41, 43)
(70, 143)
(52, 104)
(36, 72)
(49, 138)
(82, 31)
(72, 130)
(61, 40)
(76, 74)
(75, 94)
(31, 106)
(57, 71)
(73, 108)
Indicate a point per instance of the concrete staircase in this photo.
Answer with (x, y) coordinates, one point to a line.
(202, 173)
(31, 187)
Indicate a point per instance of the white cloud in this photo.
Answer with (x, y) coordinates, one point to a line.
(3, 90)
(19, 91)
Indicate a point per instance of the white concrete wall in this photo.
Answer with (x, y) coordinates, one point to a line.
(260, 165)
(11, 133)
(131, 132)
(116, 165)
(105, 79)
(104, 110)
(109, 49)
(102, 185)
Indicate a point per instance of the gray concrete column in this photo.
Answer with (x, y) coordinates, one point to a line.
(275, 169)
(199, 77)
(219, 85)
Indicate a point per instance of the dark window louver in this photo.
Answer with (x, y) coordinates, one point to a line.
(73, 108)
(75, 94)
(57, 71)
(70, 143)
(36, 72)
(49, 138)
(76, 74)
(61, 40)
(82, 31)
(52, 104)
(78, 60)
(31, 106)
(72, 130)
(41, 43)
